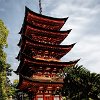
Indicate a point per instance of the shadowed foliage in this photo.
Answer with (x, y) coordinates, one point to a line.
(80, 84)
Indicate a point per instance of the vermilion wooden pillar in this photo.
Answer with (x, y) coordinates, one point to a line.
(47, 97)
(52, 97)
(34, 98)
(59, 97)
(44, 97)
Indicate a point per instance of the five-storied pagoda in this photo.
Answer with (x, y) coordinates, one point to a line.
(40, 53)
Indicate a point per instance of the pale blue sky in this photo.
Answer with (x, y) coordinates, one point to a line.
(84, 20)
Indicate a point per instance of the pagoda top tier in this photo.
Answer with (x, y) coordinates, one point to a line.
(43, 21)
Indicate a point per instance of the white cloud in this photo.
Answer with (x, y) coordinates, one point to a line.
(84, 20)
(89, 51)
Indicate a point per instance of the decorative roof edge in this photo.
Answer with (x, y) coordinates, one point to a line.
(48, 17)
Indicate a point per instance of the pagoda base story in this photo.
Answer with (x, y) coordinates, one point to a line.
(47, 97)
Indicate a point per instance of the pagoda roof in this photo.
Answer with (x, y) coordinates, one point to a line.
(36, 63)
(43, 21)
(35, 48)
(42, 35)
(28, 84)
(43, 79)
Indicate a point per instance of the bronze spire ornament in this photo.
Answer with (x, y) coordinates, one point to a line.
(40, 7)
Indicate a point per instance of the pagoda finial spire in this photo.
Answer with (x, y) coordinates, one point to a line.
(40, 7)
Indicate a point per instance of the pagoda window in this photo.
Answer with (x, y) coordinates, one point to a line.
(34, 51)
(52, 53)
(46, 53)
(39, 73)
(40, 67)
(46, 73)
(46, 76)
(50, 92)
(33, 22)
(48, 68)
(40, 91)
(40, 52)
(55, 68)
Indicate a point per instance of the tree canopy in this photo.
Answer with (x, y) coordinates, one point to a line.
(81, 84)
(3, 64)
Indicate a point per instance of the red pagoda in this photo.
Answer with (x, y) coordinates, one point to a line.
(40, 52)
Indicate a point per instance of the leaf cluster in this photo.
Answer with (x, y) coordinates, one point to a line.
(3, 34)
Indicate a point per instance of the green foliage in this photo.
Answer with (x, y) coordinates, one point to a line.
(3, 34)
(14, 90)
(80, 84)
(10, 88)
(15, 83)
(6, 88)
(3, 65)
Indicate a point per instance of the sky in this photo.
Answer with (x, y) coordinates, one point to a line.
(84, 20)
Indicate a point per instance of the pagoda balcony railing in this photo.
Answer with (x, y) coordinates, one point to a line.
(50, 79)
